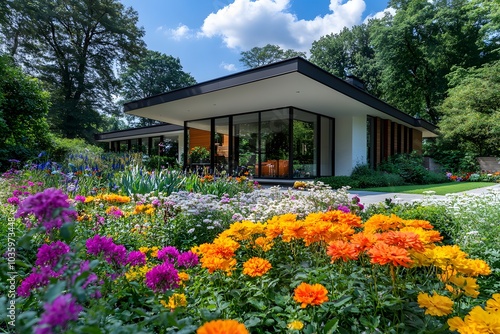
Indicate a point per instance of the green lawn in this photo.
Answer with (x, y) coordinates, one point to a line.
(440, 188)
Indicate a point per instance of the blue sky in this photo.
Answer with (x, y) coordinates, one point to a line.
(209, 35)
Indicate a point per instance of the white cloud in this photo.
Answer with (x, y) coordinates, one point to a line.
(228, 67)
(380, 15)
(181, 32)
(244, 24)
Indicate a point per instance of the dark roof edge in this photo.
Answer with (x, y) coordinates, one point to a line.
(146, 130)
(232, 80)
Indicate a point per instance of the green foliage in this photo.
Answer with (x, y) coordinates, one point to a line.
(73, 46)
(471, 112)
(156, 162)
(409, 166)
(368, 177)
(24, 105)
(63, 147)
(199, 154)
(349, 52)
(418, 46)
(153, 74)
(268, 54)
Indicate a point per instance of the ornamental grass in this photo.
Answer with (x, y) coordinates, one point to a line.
(327, 271)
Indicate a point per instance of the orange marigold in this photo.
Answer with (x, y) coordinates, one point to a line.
(222, 327)
(340, 249)
(493, 304)
(310, 294)
(364, 241)
(406, 240)
(256, 266)
(382, 253)
(381, 223)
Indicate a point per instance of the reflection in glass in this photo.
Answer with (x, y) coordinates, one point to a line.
(304, 144)
(221, 146)
(275, 138)
(245, 144)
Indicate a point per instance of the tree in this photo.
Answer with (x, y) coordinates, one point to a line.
(24, 106)
(74, 46)
(349, 52)
(471, 112)
(259, 56)
(154, 74)
(418, 46)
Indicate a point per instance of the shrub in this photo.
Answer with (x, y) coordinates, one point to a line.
(158, 162)
(62, 147)
(409, 166)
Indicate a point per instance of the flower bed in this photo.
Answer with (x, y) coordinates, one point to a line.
(266, 261)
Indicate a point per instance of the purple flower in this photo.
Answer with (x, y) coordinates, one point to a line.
(110, 251)
(187, 259)
(50, 255)
(168, 254)
(57, 314)
(36, 279)
(162, 278)
(136, 258)
(80, 198)
(13, 200)
(343, 208)
(155, 202)
(50, 207)
(17, 193)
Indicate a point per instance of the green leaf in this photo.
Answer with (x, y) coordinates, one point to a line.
(342, 301)
(68, 231)
(54, 291)
(331, 326)
(252, 322)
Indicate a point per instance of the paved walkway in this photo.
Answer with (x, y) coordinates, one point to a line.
(371, 197)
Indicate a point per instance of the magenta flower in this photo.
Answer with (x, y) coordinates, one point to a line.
(187, 259)
(162, 278)
(36, 279)
(50, 254)
(168, 254)
(136, 258)
(343, 208)
(57, 314)
(50, 207)
(111, 252)
(13, 200)
(80, 198)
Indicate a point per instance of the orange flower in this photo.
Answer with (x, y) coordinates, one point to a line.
(363, 241)
(307, 294)
(222, 327)
(341, 249)
(263, 243)
(256, 266)
(406, 240)
(381, 223)
(383, 253)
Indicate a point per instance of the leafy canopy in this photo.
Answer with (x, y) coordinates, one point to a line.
(260, 56)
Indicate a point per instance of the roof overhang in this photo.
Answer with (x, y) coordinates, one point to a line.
(147, 131)
(291, 83)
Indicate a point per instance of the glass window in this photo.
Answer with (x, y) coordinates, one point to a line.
(199, 145)
(275, 141)
(221, 146)
(245, 144)
(327, 146)
(304, 144)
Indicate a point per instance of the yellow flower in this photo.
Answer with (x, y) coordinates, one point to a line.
(136, 273)
(222, 327)
(296, 325)
(174, 301)
(493, 304)
(435, 305)
(256, 266)
(263, 243)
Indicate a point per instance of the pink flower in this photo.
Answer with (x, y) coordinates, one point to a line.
(162, 278)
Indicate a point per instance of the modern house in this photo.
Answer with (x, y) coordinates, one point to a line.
(287, 120)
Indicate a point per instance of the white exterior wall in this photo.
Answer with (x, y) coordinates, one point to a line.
(180, 140)
(350, 143)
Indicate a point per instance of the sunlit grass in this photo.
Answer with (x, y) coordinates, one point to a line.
(439, 189)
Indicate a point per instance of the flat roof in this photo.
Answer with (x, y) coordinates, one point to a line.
(293, 82)
(145, 131)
